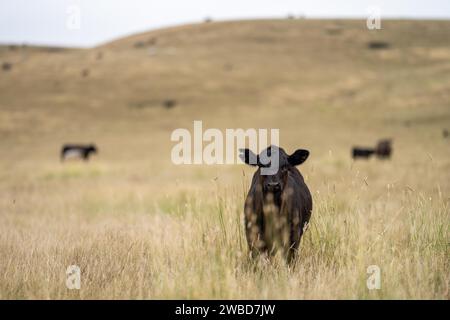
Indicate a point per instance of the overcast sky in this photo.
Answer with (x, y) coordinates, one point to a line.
(90, 22)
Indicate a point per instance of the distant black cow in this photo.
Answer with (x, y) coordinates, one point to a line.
(6, 66)
(169, 103)
(377, 45)
(69, 151)
(384, 149)
(445, 133)
(278, 205)
(361, 152)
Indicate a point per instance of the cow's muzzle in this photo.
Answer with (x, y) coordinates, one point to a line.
(274, 187)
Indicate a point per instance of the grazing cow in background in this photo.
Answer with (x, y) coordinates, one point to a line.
(384, 149)
(360, 152)
(77, 151)
(445, 133)
(6, 66)
(169, 103)
(377, 45)
(278, 205)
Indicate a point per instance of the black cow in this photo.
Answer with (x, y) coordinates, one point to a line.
(169, 103)
(77, 151)
(361, 152)
(278, 205)
(6, 66)
(384, 149)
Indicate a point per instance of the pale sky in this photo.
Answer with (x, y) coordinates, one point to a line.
(91, 22)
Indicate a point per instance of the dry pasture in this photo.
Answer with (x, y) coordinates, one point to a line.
(140, 227)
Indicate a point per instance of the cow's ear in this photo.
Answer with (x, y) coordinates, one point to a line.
(298, 157)
(248, 157)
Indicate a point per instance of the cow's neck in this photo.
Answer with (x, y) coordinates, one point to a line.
(273, 199)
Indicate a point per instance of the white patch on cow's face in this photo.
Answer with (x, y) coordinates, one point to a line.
(75, 153)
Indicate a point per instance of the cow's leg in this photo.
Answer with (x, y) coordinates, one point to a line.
(291, 257)
(295, 237)
(256, 243)
(254, 230)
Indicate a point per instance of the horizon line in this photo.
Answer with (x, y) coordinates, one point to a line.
(57, 45)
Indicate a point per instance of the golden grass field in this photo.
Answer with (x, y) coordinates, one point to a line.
(140, 227)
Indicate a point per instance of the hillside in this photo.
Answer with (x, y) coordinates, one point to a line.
(255, 64)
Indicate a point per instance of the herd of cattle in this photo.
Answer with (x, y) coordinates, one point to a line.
(83, 151)
(278, 205)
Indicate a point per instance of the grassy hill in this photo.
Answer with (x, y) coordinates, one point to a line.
(141, 227)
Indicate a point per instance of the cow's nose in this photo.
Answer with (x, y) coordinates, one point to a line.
(273, 186)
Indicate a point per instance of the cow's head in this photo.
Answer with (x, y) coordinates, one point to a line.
(92, 148)
(274, 165)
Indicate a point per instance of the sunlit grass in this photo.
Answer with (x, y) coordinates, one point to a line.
(191, 244)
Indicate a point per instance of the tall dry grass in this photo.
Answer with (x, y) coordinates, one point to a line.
(141, 228)
(131, 241)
